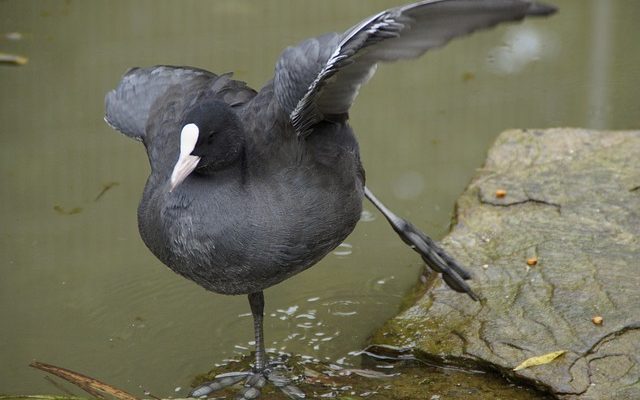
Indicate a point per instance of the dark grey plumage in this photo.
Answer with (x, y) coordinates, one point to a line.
(252, 224)
(249, 188)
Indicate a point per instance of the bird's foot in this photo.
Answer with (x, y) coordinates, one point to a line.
(453, 274)
(253, 383)
(435, 257)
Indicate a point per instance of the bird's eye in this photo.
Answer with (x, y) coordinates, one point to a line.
(210, 136)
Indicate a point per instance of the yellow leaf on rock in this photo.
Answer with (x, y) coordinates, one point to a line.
(539, 360)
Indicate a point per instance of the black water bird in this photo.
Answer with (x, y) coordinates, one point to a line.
(249, 188)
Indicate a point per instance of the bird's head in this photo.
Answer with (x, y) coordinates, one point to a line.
(211, 139)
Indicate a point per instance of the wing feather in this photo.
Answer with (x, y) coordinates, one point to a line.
(128, 106)
(327, 80)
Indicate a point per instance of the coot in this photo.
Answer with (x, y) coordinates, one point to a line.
(248, 188)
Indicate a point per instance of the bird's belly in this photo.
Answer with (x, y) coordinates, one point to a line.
(256, 241)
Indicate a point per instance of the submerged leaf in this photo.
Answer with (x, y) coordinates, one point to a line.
(105, 188)
(13, 59)
(63, 211)
(88, 384)
(539, 360)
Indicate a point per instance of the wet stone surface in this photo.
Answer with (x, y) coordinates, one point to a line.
(550, 228)
(381, 380)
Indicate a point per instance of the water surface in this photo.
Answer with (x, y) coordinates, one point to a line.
(79, 289)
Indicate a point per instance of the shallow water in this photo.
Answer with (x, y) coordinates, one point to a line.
(78, 288)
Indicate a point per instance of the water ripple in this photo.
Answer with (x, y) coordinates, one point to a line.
(343, 250)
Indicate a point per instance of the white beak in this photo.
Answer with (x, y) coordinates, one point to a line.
(186, 162)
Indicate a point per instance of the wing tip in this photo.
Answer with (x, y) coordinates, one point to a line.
(106, 119)
(111, 117)
(109, 102)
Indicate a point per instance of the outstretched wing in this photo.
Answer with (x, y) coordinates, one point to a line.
(127, 107)
(325, 73)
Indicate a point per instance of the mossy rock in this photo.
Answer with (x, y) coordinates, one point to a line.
(550, 227)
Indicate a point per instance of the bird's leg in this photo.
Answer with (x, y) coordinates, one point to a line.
(256, 301)
(433, 255)
(263, 371)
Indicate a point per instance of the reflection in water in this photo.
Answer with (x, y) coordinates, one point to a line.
(367, 216)
(343, 249)
(309, 327)
(523, 46)
(384, 280)
(80, 290)
(600, 64)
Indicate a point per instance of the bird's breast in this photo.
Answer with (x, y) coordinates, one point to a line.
(238, 237)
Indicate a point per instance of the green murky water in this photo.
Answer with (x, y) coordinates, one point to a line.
(79, 289)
